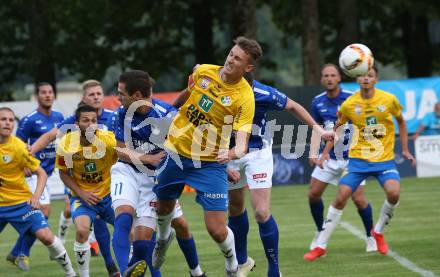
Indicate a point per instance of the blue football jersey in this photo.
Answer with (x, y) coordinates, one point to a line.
(267, 98)
(324, 111)
(103, 119)
(32, 127)
(144, 132)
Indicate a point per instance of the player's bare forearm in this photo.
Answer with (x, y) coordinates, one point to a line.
(70, 182)
(44, 141)
(403, 134)
(181, 98)
(241, 145)
(300, 112)
(41, 182)
(128, 155)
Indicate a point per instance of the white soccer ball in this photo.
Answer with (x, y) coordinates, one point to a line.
(356, 60)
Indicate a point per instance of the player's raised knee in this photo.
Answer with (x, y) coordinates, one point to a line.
(45, 235)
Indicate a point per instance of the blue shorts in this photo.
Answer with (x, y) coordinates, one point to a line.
(359, 170)
(23, 218)
(209, 180)
(103, 209)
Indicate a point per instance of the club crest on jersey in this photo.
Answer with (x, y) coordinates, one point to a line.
(6, 159)
(381, 108)
(226, 100)
(205, 103)
(204, 83)
(357, 109)
(90, 167)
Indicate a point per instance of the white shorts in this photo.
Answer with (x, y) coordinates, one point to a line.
(257, 167)
(129, 187)
(332, 171)
(45, 196)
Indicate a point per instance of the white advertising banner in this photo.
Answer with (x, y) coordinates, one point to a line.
(428, 156)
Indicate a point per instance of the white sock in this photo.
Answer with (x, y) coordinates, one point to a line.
(164, 226)
(329, 226)
(82, 255)
(63, 227)
(197, 271)
(386, 213)
(58, 252)
(228, 249)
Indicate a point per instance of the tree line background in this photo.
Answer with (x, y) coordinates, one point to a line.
(55, 40)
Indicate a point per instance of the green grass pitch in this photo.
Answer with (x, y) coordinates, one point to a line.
(414, 234)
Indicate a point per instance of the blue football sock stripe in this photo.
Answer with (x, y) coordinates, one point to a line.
(121, 239)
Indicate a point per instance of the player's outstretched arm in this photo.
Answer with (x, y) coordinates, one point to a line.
(240, 149)
(44, 141)
(403, 134)
(41, 183)
(131, 156)
(181, 98)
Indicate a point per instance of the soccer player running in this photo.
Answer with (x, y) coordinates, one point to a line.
(371, 112)
(258, 168)
(30, 128)
(18, 206)
(330, 166)
(93, 95)
(140, 127)
(218, 100)
(84, 159)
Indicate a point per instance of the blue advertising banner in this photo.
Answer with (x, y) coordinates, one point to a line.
(417, 96)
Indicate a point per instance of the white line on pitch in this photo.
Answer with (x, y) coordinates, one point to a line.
(401, 260)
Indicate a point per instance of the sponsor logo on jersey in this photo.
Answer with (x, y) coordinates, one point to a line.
(197, 117)
(357, 109)
(90, 166)
(371, 120)
(205, 103)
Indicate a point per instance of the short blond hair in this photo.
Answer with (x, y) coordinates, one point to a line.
(90, 83)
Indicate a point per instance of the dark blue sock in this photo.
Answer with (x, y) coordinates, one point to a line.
(188, 247)
(240, 227)
(16, 250)
(102, 236)
(367, 218)
(143, 250)
(269, 237)
(121, 240)
(317, 210)
(28, 241)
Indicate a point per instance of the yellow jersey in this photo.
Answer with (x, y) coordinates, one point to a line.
(213, 110)
(89, 165)
(14, 158)
(372, 119)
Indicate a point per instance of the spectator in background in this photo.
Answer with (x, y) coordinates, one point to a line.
(430, 123)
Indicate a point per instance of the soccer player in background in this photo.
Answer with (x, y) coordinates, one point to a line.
(30, 128)
(93, 95)
(218, 100)
(18, 206)
(140, 125)
(258, 168)
(330, 167)
(371, 112)
(84, 159)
